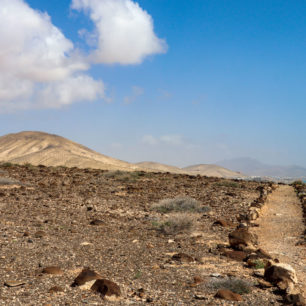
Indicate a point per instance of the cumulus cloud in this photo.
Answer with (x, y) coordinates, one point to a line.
(136, 92)
(124, 31)
(39, 66)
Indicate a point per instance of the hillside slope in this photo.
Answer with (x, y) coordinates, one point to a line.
(212, 170)
(158, 167)
(52, 150)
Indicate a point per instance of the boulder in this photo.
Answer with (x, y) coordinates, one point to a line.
(295, 299)
(241, 238)
(280, 274)
(106, 287)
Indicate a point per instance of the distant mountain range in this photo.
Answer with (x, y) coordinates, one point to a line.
(254, 167)
(51, 150)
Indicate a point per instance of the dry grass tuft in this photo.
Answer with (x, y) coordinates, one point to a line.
(236, 285)
(8, 181)
(176, 224)
(179, 204)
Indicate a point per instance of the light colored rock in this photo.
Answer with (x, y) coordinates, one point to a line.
(282, 275)
(12, 283)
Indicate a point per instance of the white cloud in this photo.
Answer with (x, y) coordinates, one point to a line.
(174, 140)
(39, 66)
(136, 92)
(149, 140)
(170, 140)
(124, 31)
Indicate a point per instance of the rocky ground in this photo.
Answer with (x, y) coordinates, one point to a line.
(70, 219)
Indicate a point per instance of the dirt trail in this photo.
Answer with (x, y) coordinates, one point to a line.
(280, 228)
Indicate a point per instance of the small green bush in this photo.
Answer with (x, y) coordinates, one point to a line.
(179, 204)
(297, 183)
(124, 176)
(6, 165)
(259, 264)
(175, 224)
(236, 285)
(228, 184)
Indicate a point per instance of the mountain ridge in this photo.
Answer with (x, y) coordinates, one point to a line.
(253, 167)
(53, 150)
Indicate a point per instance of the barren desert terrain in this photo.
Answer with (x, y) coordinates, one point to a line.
(57, 221)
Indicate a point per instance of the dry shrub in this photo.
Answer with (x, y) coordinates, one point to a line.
(176, 224)
(236, 285)
(8, 181)
(179, 204)
(124, 176)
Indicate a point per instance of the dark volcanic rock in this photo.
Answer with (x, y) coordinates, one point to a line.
(241, 237)
(106, 287)
(182, 257)
(85, 276)
(236, 255)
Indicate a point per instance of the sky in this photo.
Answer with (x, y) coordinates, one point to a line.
(171, 81)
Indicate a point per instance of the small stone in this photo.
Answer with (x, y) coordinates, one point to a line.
(295, 299)
(223, 222)
(40, 234)
(85, 276)
(263, 254)
(55, 289)
(85, 243)
(182, 257)
(53, 270)
(12, 283)
(106, 287)
(259, 272)
(228, 295)
(236, 255)
(215, 275)
(30, 241)
(97, 222)
(200, 297)
(264, 284)
(196, 281)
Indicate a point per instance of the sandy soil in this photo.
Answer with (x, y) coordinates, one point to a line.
(280, 230)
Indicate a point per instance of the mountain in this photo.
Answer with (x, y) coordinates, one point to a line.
(52, 150)
(212, 170)
(160, 167)
(39, 148)
(254, 167)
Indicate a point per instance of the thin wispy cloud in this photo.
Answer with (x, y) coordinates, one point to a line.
(170, 140)
(165, 94)
(41, 68)
(136, 92)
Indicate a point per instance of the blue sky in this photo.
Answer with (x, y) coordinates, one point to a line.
(213, 80)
